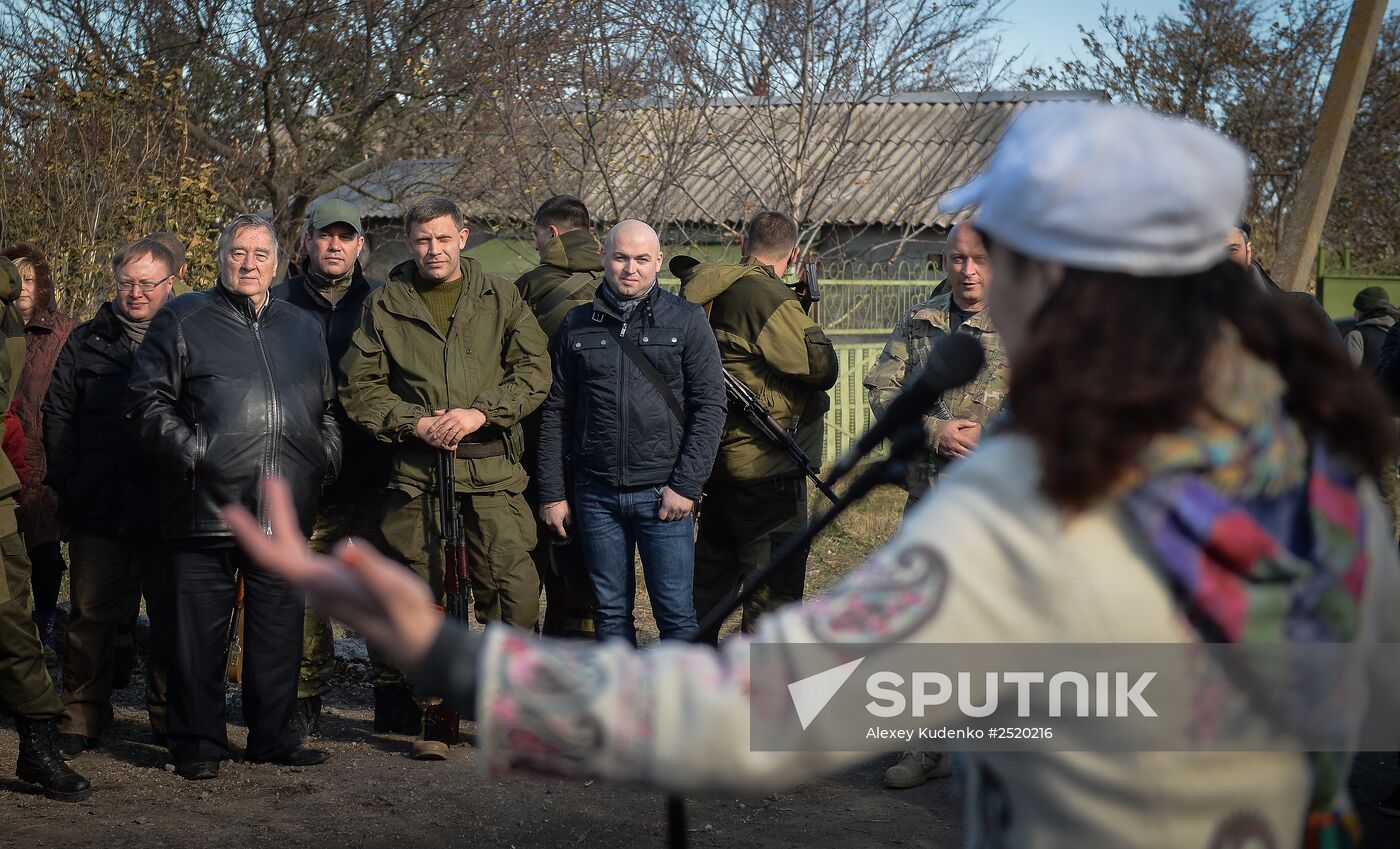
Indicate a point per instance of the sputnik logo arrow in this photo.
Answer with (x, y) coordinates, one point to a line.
(811, 694)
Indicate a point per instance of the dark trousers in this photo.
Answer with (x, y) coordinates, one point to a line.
(742, 524)
(109, 576)
(47, 577)
(568, 595)
(204, 586)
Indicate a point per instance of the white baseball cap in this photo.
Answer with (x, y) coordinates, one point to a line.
(1110, 188)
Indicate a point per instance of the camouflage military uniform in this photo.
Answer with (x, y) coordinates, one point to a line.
(907, 352)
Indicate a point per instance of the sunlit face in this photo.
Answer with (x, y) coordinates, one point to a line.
(1240, 250)
(437, 247)
(249, 264)
(25, 301)
(631, 258)
(144, 285)
(543, 235)
(332, 250)
(968, 265)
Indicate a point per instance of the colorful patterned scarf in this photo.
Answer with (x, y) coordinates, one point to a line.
(1259, 537)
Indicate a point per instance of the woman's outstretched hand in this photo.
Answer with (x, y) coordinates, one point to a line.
(381, 599)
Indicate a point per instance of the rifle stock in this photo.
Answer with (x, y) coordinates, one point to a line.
(233, 644)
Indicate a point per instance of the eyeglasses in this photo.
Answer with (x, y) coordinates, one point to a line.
(125, 286)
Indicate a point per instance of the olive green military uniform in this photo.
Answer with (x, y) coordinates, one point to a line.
(334, 522)
(568, 275)
(757, 496)
(906, 353)
(25, 687)
(399, 368)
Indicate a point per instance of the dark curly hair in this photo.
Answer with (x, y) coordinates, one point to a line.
(1111, 360)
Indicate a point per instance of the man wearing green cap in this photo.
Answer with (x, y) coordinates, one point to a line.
(26, 691)
(332, 287)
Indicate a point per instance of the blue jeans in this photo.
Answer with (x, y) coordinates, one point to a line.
(611, 524)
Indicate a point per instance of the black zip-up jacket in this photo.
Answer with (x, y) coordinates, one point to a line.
(221, 396)
(365, 469)
(606, 419)
(104, 485)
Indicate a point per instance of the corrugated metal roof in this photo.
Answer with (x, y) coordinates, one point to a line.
(882, 161)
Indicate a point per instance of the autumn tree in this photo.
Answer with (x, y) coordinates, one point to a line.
(288, 99)
(92, 159)
(1257, 72)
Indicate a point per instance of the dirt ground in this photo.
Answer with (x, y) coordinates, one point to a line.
(370, 794)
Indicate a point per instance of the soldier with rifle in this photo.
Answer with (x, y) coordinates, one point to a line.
(757, 495)
(448, 358)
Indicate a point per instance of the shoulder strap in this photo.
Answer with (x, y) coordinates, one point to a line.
(566, 290)
(648, 371)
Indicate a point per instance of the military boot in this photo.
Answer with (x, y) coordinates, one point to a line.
(40, 763)
(396, 711)
(307, 716)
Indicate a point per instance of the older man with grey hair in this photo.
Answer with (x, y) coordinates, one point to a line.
(231, 385)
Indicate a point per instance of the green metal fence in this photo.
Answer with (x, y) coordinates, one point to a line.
(850, 414)
(1337, 287)
(867, 306)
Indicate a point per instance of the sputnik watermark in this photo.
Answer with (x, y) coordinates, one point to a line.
(934, 689)
(1142, 697)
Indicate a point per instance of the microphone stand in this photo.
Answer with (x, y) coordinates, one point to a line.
(905, 443)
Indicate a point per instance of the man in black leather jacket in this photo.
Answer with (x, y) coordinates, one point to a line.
(229, 386)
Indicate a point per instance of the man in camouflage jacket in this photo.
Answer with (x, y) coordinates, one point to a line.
(955, 424)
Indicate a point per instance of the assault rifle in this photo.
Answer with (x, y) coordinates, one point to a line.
(808, 288)
(440, 721)
(742, 399)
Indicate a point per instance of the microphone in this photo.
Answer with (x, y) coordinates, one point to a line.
(955, 360)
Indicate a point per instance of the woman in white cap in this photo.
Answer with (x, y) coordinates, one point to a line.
(1187, 462)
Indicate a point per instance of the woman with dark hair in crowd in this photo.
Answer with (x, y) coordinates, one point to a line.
(1188, 461)
(45, 331)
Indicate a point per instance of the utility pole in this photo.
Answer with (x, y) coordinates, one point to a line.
(1308, 214)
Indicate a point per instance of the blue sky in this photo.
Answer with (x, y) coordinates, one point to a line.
(1045, 29)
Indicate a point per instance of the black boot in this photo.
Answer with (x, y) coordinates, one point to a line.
(307, 716)
(396, 711)
(40, 763)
